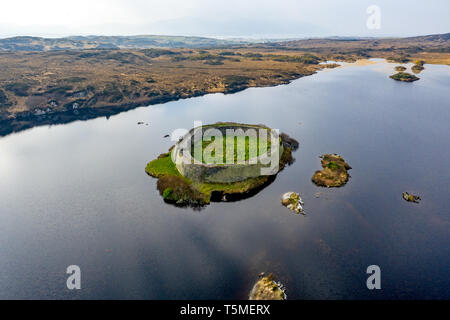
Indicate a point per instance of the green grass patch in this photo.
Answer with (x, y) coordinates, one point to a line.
(167, 193)
(177, 189)
(333, 165)
(239, 144)
(162, 166)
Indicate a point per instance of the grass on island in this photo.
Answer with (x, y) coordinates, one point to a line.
(334, 172)
(171, 184)
(418, 66)
(162, 166)
(240, 144)
(177, 189)
(404, 76)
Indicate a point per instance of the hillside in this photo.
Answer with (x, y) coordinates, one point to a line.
(435, 47)
(108, 42)
(56, 86)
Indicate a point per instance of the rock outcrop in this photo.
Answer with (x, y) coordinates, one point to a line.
(404, 77)
(267, 289)
(293, 202)
(410, 197)
(334, 173)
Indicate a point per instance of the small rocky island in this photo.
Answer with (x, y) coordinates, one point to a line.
(418, 66)
(334, 173)
(410, 197)
(293, 202)
(267, 288)
(404, 76)
(197, 182)
(400, 68)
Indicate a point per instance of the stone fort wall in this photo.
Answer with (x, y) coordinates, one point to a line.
(223, 173)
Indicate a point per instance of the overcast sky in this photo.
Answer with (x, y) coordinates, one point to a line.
(235, 18)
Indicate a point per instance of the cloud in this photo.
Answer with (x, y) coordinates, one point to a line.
(235, 27)
(213, 17)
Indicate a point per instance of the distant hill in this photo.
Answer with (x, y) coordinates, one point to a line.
(109, 42)
(366, 47)
(437, 42)
(433, 37)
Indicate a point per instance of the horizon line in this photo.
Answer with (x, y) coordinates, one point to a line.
(224, 37)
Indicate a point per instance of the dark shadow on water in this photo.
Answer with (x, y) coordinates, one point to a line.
(217, 196)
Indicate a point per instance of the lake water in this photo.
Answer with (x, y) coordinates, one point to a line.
(77, 194)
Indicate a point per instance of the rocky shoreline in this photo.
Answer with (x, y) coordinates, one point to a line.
(28, 119)
(40, 117)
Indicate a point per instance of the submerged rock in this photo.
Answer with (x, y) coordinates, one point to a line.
(293, 202)
(410, 197)
(334, 173)
(267, 289)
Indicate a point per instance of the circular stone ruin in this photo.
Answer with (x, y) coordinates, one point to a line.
(184, 178)
(206, 171)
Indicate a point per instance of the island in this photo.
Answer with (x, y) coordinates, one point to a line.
(404, 77)
(267, 288)
(400, 68)
(293, 202)
(410, 197)
(418, 66)
(224, 167)
(334, 173)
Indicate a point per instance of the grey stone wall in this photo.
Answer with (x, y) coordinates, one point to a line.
(220, 173)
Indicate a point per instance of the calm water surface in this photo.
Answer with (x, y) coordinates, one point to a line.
(77, 194)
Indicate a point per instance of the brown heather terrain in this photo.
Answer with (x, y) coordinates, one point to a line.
(38, 88)
(60, 86)
(434, 49)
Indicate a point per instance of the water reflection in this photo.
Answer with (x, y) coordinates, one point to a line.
(78, 194)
